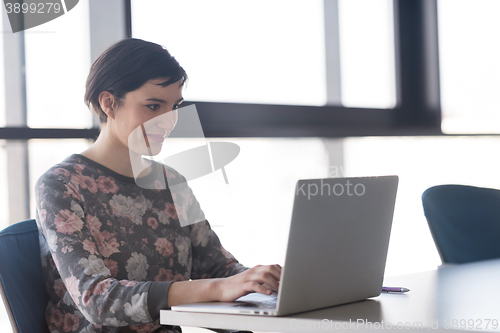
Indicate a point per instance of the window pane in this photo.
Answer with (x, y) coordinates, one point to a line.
(4, 207)
(257, 202)
(4, 222)
(255, 51)
(279, 60)
(469, 65)
(57, 65)
(367, 53)
(2, 78)
(421, 162)
(43, 154)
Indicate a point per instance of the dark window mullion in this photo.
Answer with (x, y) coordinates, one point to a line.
(417, 63)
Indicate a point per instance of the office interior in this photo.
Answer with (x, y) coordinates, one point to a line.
(305, 88)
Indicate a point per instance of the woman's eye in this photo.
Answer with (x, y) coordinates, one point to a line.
(154, 107)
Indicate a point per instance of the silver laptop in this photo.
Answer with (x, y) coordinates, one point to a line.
(337, 248)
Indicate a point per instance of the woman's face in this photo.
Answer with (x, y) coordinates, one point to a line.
(147, 116)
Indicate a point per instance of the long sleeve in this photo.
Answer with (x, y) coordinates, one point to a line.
(209, 258)
(80, 252)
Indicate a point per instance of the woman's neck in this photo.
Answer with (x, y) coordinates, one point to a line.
(117, 157)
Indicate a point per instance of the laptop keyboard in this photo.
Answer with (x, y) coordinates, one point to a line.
(271, 304)
(258, 301)
(261, 305)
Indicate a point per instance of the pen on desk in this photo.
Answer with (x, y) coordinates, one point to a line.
(395, 290)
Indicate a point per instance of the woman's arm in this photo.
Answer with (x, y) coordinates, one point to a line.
(81, 254)
(216, 274)
(210, 258)
(226, 289)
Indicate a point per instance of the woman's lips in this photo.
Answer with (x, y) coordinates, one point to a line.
(156, 138)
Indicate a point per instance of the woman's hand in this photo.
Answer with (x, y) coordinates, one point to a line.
(260, 278)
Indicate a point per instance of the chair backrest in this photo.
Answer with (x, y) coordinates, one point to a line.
(464, 222)
(21, 277)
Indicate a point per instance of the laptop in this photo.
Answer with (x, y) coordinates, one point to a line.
(336, 252)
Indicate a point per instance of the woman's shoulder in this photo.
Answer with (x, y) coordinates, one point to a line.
(62, 169)
(65, 170)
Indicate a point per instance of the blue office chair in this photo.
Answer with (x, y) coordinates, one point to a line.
(464, 222)
(21, 278)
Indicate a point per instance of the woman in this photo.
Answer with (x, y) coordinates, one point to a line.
(114, 252)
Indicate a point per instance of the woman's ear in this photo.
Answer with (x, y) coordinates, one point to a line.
(107, 104)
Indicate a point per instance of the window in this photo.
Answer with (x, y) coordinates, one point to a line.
(241, 51)
(238, 52)
(43, 154)
(4, 218)
(57, 65)
(257, 202)
(469, 65)
(367, 53)
(2, 80)
(4, 207)
(421, 162)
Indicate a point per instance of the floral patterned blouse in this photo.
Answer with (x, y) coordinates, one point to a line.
(110, 248)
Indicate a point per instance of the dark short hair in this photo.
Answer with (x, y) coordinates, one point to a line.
(127, 66)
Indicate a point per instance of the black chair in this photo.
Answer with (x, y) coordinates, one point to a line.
(464, 222)
(21, 278)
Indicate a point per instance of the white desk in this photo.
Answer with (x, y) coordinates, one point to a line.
(469, 292)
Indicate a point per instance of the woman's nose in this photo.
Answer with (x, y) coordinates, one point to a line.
(168, 120)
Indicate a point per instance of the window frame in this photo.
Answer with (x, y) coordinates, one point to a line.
(417, 112)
